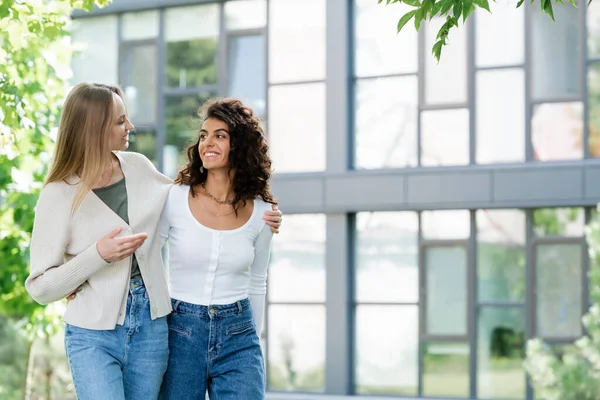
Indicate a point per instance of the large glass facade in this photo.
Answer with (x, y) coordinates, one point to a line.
(399, 271)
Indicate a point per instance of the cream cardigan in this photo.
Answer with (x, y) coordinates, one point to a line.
(64, 254)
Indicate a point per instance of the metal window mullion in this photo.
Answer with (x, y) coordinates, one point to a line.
(471, 88)
(528, 82)
(222, 70)
(472, 303)
(421, 76)
(530, 282)
(584, 84)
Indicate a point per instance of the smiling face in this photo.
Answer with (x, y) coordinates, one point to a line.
(214, 144)
(119, 134)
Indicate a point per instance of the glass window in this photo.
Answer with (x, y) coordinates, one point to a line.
(296, 40)
(144, 141)
(379, 49)
(387, 257)
(445, 137)
(445, 369)
(500, 255)
(140, 25)
(499, 35)
(445, 224)
(593, 29)
(446, 81)
(182, 125)
(555, 52)
(594, 108)
(192, 42)
(297, 127)
(297, 267)
(559, 222)
(246, 71)
(386, 122)
(387, 350)
(296, 348)
(500, 353)
(139, 69)
(446, 290)
(245, 14)
(500, 116)
(557, 131)
(558, 290)
(96, 48)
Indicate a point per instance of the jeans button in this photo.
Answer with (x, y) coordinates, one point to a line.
(212, 311)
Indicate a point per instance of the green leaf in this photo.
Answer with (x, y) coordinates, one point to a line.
(419, 17)
(405, 18)
(482, 4)
(547, 8)
(520, 3)
(457, 9)
(467, 9)
(437, 50)
(412, 3)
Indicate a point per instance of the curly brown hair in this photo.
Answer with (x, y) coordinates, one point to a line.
(248, 155)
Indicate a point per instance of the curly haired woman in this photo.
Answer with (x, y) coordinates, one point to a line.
(219, 253)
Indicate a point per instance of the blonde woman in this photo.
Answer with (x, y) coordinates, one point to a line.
(95, 231)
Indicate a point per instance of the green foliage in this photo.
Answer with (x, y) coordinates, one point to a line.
(575, 374)
(454, 11)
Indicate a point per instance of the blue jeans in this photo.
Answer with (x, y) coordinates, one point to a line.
(213, 348)
(127, 362)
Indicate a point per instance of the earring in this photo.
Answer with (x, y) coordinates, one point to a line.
(201, 169)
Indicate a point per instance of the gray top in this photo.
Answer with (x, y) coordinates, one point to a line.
(115, 197)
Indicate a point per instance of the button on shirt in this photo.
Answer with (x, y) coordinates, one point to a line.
(209, 266)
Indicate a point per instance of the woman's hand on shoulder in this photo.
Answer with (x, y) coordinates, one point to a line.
(112, 248)
(273, 218)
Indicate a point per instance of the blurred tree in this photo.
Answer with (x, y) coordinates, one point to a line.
(34, 67)
(453, 10)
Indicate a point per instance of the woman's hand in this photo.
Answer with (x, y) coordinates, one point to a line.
(112, 248)
(273, 218)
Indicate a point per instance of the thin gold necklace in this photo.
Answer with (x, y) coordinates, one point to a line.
(215, 214)
(226, 201)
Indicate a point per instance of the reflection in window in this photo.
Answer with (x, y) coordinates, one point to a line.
(386, 122)
(558, 222)
(245, 14)
(445, 224)
(246, 71)
(387, 257)
(445, 137)
(296, 348)
(500, 116)
(143, 141)
(446, 81)
(297, 127)
(594, 108)
(445, 369)
(296, 40)
(557, 131)
(192, 41)
(555, 52)
(379, 50)
(500, 255)
(182, 125)
(384, 364)
(500, 352)
(446, 290)
(499, 36)
(140, 25)
(96, 50)
(558, 290)
(297, 267)
(139, 83)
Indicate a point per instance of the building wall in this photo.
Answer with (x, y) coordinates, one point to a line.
(434, 212)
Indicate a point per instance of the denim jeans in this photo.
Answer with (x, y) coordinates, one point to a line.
(215, 349)
(127, 362)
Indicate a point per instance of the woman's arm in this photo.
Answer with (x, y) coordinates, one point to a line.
(258, 276)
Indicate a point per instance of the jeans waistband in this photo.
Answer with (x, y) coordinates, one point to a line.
(136, 286)
(215, 310)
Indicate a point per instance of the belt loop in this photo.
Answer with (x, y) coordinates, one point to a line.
(239, 304)
(176, 305)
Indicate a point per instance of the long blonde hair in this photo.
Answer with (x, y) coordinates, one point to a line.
(82, 147)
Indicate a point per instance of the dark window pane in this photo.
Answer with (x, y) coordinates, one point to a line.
(246, 58)
(558, 222)
(139, 76)
(296, 347)
(183, 125)
(558, 289)
(446, 290)
(500, 351)
(387, 257)
(387, 349)
(445, 369)
(144, 141)
(500, 255)
(557, 131)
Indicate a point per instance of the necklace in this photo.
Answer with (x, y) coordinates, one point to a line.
(214, 198)
(215, 214)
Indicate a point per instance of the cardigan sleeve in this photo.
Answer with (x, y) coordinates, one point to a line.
(51, 278)
(258, 276)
